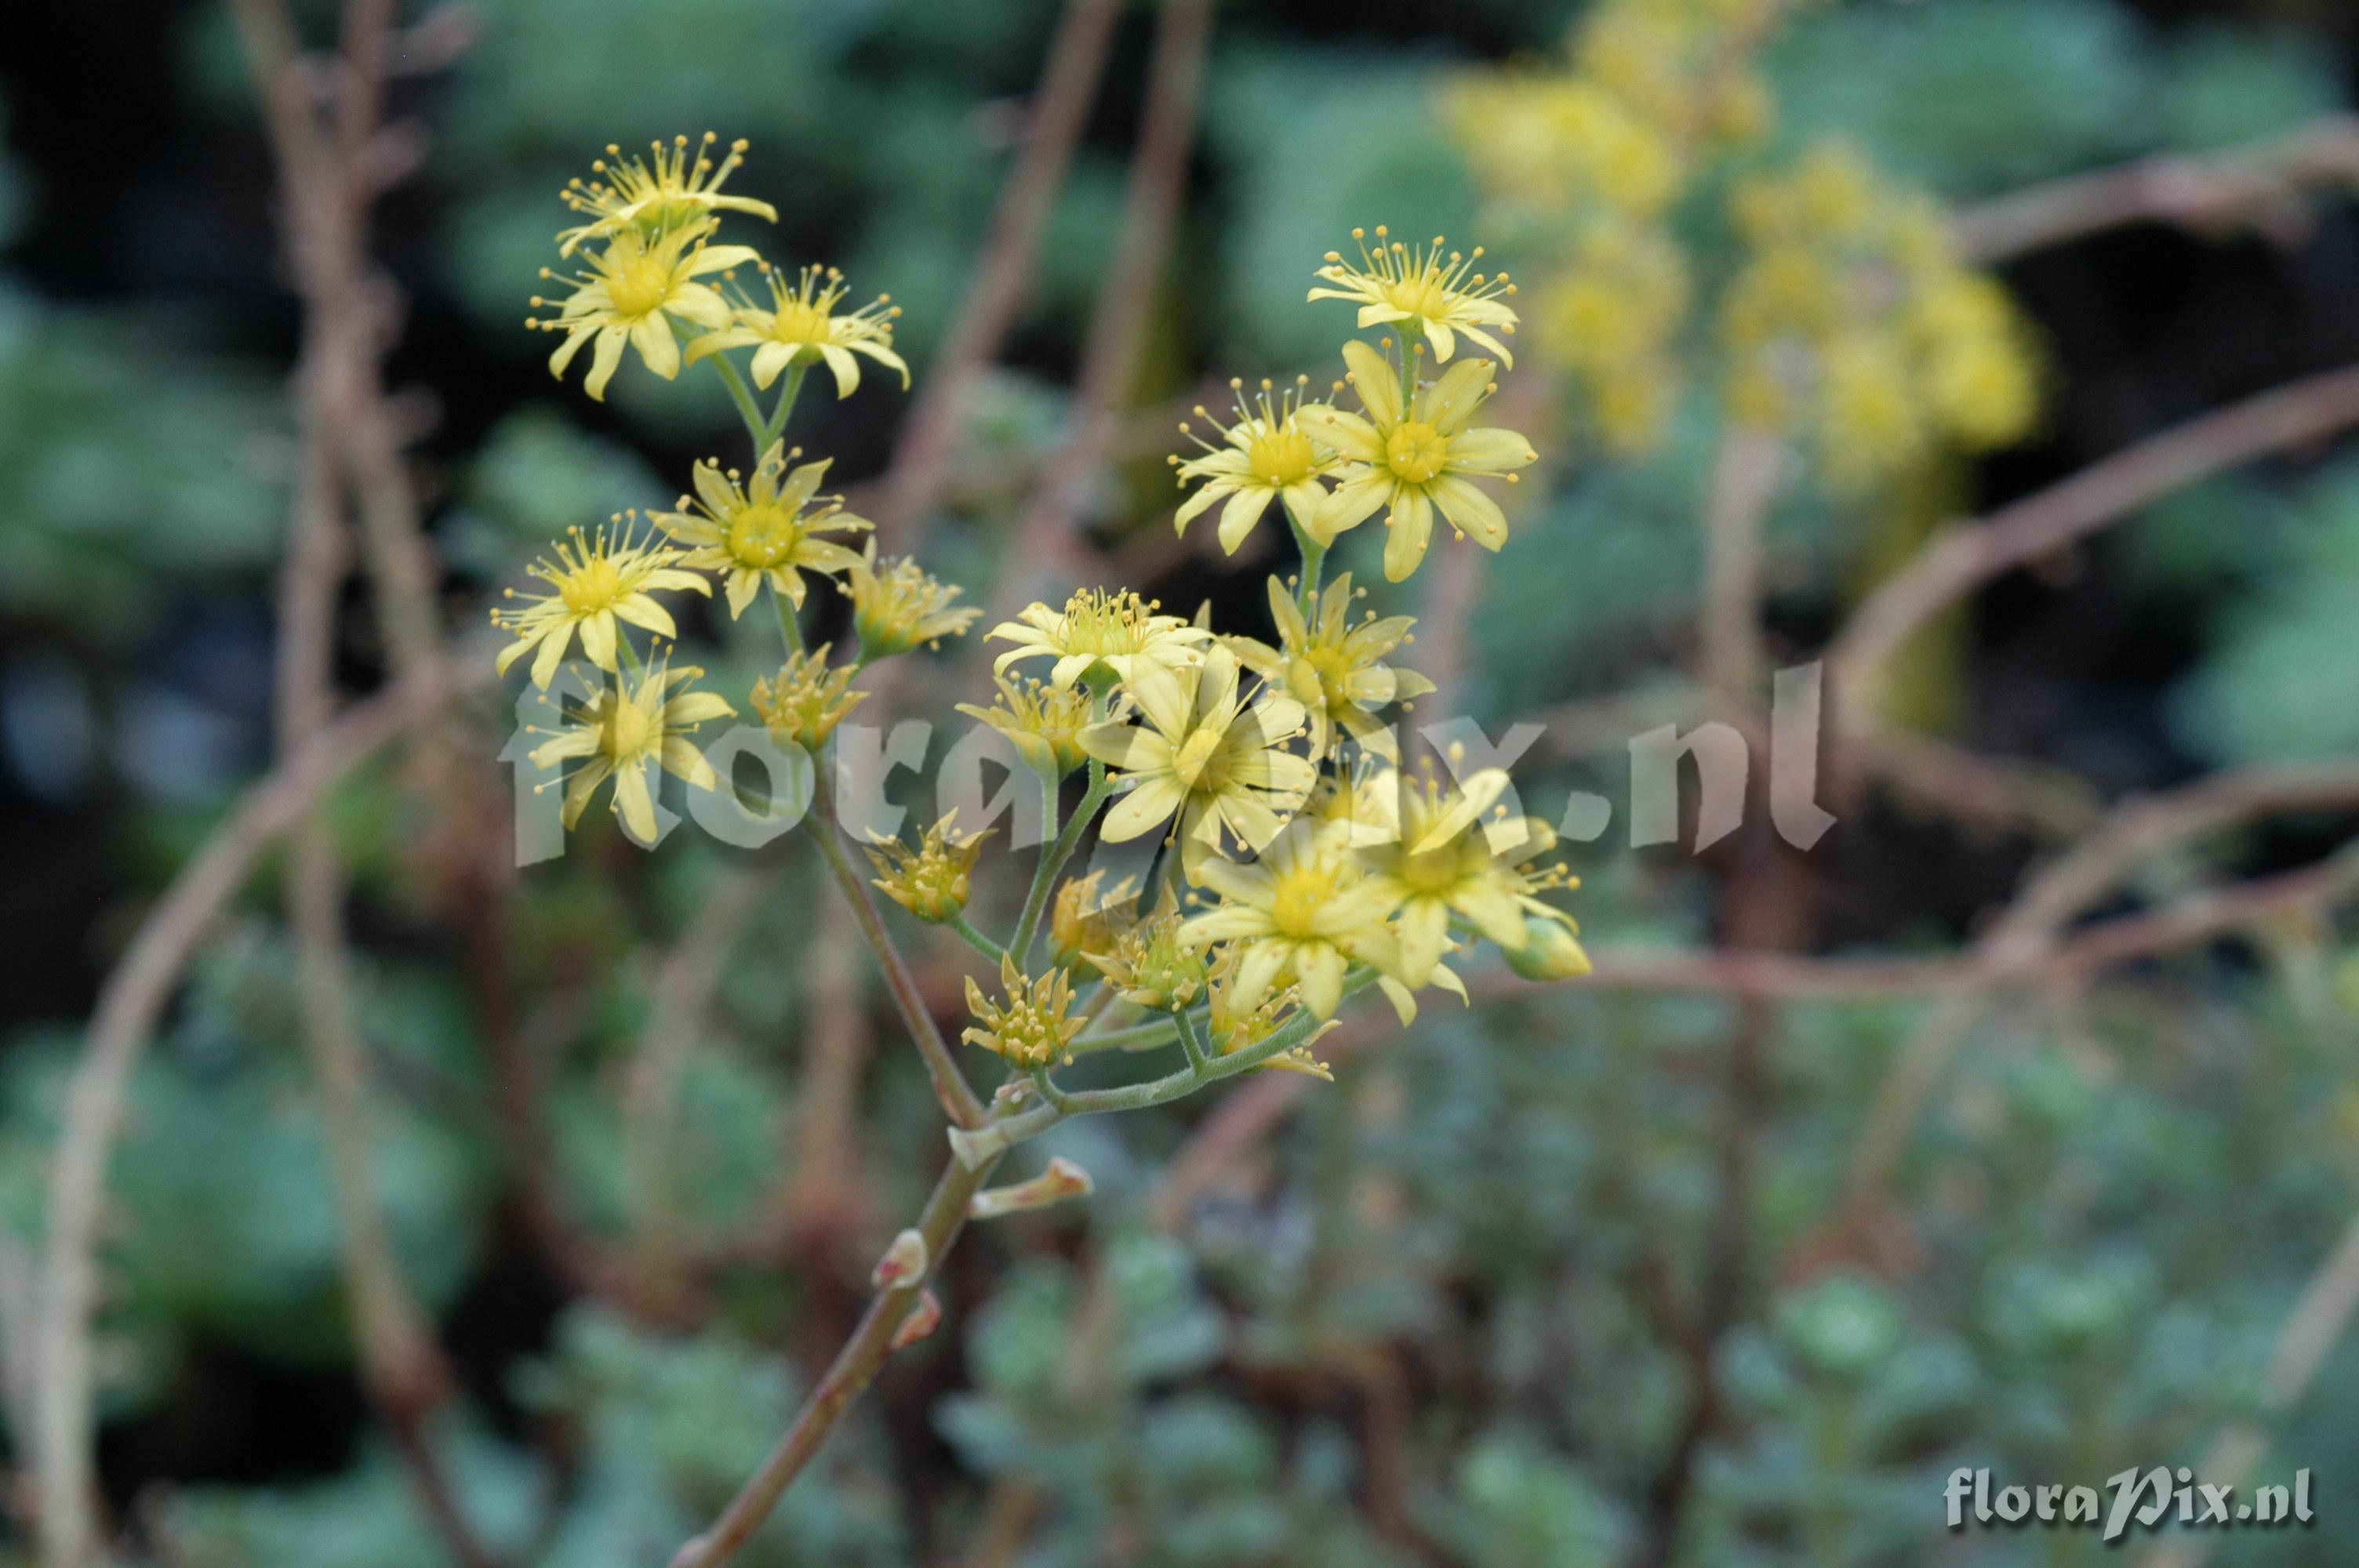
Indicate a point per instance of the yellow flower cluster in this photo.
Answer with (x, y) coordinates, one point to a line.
(1239, 779)
(645, 253)
(1588, 159)
(1412, 450)
(1280, 885)
(625, 730)
(1851, 325)
(765, 530)
(1854, 326)
(1311, 879)
(934, 879)
(653, 219)
(1686, 65)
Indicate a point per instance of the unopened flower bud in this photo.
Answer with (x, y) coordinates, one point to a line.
(1550, 951)
(1084, 924)
(1045, 722)
(932, 881)
(897, 605)
(806, 700)
(1152, 968)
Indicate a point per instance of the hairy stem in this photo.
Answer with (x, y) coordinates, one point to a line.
(1053, 858)
(957, 1096)
(961, 927)
(994, 1139)
(1055, 1099)
(1198, 1061)
(854, 1368)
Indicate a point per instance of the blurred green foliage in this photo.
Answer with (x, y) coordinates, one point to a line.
(1430, 1318)
(135, 465)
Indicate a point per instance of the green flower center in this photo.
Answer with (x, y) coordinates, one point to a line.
(1103, 624)
(802, 322)
(639, 287)
(1280, 457)
(1196, 763)
(669, 211)
(1420, 295)
(1318, 676)
(761, 537)
(1417, 452)
(593, 587)
(1301, 895)
(630, 730)
(1433, 872)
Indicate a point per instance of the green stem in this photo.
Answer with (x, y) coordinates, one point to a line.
(856, 1366)
(1044, 875)
(1198, 1061)
(1000, 1135)
(1061, 846)
(776, 426)
(964, 928)
(789, 627)
(1044, 872)
(1314, 564)
(1145, 1036)
(957, 1096)
(743, 396)
(1051, 1095)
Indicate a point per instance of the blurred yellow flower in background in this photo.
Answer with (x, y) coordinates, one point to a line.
(1854, 326)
